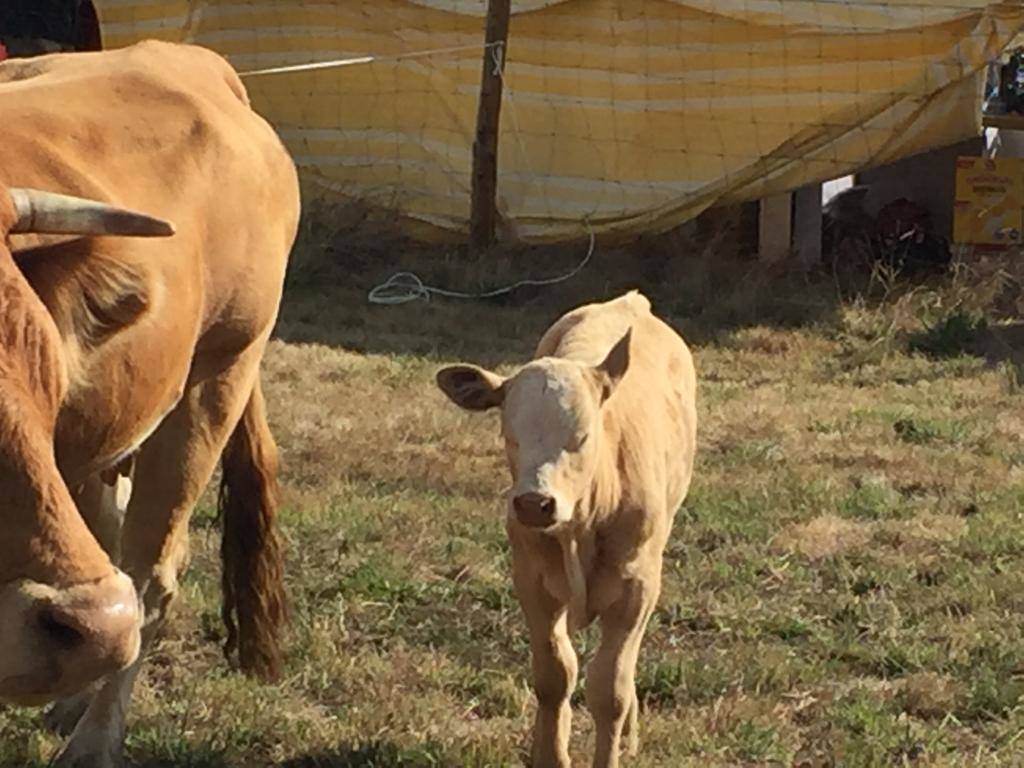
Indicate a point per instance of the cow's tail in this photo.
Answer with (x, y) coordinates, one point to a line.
(255, 608)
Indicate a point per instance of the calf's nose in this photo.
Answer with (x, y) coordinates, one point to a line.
(534, 510)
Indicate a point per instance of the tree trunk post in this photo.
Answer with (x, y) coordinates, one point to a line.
(483, 213)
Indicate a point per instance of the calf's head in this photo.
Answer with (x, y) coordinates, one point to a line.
(552, 423)
(67, 615)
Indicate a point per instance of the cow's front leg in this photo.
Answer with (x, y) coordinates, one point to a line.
(102, 500)
(611, 675)
(171, 471)
(554, 664)
(631, 727)
(63, 715)
(97, 740)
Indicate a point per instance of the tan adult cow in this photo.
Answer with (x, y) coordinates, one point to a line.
(600, 433)
(118, 347)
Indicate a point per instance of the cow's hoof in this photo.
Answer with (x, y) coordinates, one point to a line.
(74, 758)
(63, 716)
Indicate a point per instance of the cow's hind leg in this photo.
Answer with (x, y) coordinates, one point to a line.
(611, 675)
(171, 471)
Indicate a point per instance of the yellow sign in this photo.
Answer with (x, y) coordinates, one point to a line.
(989, 201)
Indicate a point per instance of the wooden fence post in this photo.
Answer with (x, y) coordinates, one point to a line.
(483, 213)
(774, 227)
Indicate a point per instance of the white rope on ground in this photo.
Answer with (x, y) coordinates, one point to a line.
(365, 60)
(404, 287)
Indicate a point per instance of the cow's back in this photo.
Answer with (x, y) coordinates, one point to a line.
(195, 69)
(165, 129)
(653, 408)
(162, 128)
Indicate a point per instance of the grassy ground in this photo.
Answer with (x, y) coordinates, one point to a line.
(845, 584)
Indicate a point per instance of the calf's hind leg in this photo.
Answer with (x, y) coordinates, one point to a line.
(172, 469)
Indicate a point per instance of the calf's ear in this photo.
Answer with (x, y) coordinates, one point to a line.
(470, 387)
(614, 366)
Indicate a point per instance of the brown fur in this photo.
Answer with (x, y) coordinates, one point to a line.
(40, 526)
(91, 296)
(255, 606)
(147, 348)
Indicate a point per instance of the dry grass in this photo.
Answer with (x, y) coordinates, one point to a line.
(827, 535)
(845, 584)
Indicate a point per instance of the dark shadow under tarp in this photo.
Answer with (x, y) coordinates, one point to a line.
(29, 27)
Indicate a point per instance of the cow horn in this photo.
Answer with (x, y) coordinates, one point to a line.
(47, 213)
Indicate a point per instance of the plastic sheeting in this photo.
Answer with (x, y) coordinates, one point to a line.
(620, 116)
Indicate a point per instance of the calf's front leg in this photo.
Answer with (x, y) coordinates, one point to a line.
(611, 675)
(554, 671)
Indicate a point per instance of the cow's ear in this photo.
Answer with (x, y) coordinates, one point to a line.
(470, 387)
(614, 366)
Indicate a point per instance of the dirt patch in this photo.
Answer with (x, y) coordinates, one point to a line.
(825, 536)
(928, 528)
(771, 341)
(928, 694)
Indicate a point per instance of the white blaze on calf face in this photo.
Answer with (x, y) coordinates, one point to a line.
(549, 421)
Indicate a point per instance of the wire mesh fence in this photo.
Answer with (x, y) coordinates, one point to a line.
(618, 116)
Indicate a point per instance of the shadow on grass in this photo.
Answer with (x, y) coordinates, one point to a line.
(380, 754)
(375, 754)
(701, 282)
(961, 333)
(999, 343)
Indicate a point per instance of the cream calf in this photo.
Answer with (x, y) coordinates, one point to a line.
(600, 433)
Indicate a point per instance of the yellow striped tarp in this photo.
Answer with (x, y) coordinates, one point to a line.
(620, 116)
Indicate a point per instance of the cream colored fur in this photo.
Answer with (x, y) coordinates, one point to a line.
(600, 432)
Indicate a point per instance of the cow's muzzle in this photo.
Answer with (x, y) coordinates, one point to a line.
(65, 639)
(535, 510)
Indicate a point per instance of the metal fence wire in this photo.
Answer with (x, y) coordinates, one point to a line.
(618, 117)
